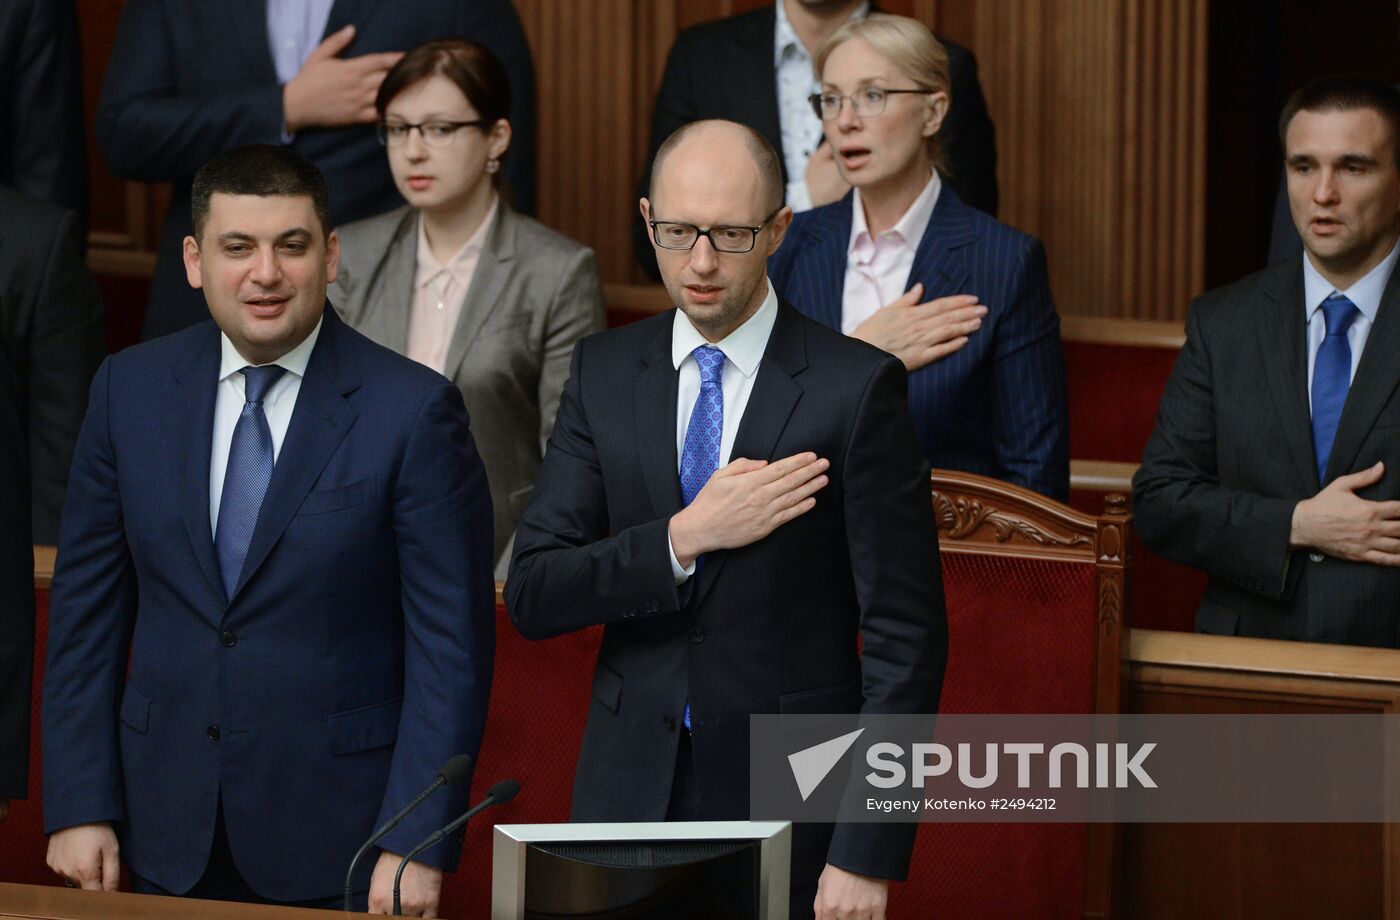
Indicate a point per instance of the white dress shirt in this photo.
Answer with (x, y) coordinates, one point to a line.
(228, 406)
(877, 269)
(800, 127)
(439, 291)
(1365, 294)
(743, 350)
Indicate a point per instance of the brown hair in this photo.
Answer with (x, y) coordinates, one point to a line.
(1345, 93)
(472, 67)
(262, 170)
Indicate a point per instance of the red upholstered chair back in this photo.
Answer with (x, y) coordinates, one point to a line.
(1035, 619)
(539, 704)
(22, 842)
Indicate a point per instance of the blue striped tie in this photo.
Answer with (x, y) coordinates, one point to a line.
(246, 478)
(700, 454)
(1331, 378)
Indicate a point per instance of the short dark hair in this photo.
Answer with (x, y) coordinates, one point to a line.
(765, 158)
(1345, 93)
(263, 170)
(471, 66)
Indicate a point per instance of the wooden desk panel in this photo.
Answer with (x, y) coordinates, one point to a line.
(42, 902)
(1259, 871)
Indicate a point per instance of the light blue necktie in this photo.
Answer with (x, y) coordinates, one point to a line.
(700, 453)
(246, 478)
(1331, 378)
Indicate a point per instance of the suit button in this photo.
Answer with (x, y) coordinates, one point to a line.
(697, 635)
(212, 732)
(669, 721)
(1315, 557)
(228, 640)
(653, 607)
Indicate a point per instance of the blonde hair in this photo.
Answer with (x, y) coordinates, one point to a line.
(910, 47)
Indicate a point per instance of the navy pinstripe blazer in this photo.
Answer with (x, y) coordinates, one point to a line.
(998, 405)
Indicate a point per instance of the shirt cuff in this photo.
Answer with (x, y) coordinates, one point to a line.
(681, 573)
(798, 197)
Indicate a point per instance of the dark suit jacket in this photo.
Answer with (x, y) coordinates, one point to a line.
(724, 69)
(189, 80)
(42, 152)
(767, 628)
(1232, 455)
(51, 333)
(998, 405)
(352, 661)
(16, 597)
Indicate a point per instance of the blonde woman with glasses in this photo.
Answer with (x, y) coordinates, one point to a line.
(904, 264)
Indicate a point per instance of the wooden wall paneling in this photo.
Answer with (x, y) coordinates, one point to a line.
(1100, 113)
(587, 102)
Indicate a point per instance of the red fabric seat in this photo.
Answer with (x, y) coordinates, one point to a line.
(22, 843)
(1035, 620)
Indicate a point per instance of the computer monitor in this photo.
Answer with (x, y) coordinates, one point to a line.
(678, 870)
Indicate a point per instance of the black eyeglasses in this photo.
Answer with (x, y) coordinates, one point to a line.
(672, 234)
(435, 133)
(868, 103)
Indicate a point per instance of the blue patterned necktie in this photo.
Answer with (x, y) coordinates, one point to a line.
(246, 478)
(1331, 378)
(700, 454)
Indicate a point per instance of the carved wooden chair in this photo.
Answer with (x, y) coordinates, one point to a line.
(1036, 624)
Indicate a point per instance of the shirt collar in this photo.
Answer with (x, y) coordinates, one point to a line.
(910, 227)
(743, 347)
(429, 267)
(785, 36)
(1365, 294)
(294, 361)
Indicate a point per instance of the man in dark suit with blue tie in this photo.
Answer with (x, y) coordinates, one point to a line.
(735, 493)
(287, 531)
(1275, 463)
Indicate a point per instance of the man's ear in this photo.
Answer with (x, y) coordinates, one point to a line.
(190, 253)
(780, 223)
(332, 256)
(644, 206)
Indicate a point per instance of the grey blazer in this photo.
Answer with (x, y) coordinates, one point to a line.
(534, 294)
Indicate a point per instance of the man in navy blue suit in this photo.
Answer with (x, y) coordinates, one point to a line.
(287, 530)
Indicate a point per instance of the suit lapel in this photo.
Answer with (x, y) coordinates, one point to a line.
(191, 420)
(344, 13)
(319, 423)
(774, 396)
(493, 271)
(938, 262)
(1283, 348)
(752, 66)
(1374, 384)
(250, 28)
(654, 399)
(387, 300)
(820, 272)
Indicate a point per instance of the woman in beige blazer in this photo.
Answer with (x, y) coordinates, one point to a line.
(457, 280)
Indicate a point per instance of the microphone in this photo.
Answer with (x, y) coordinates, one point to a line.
(498, 794)
(455, 770)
